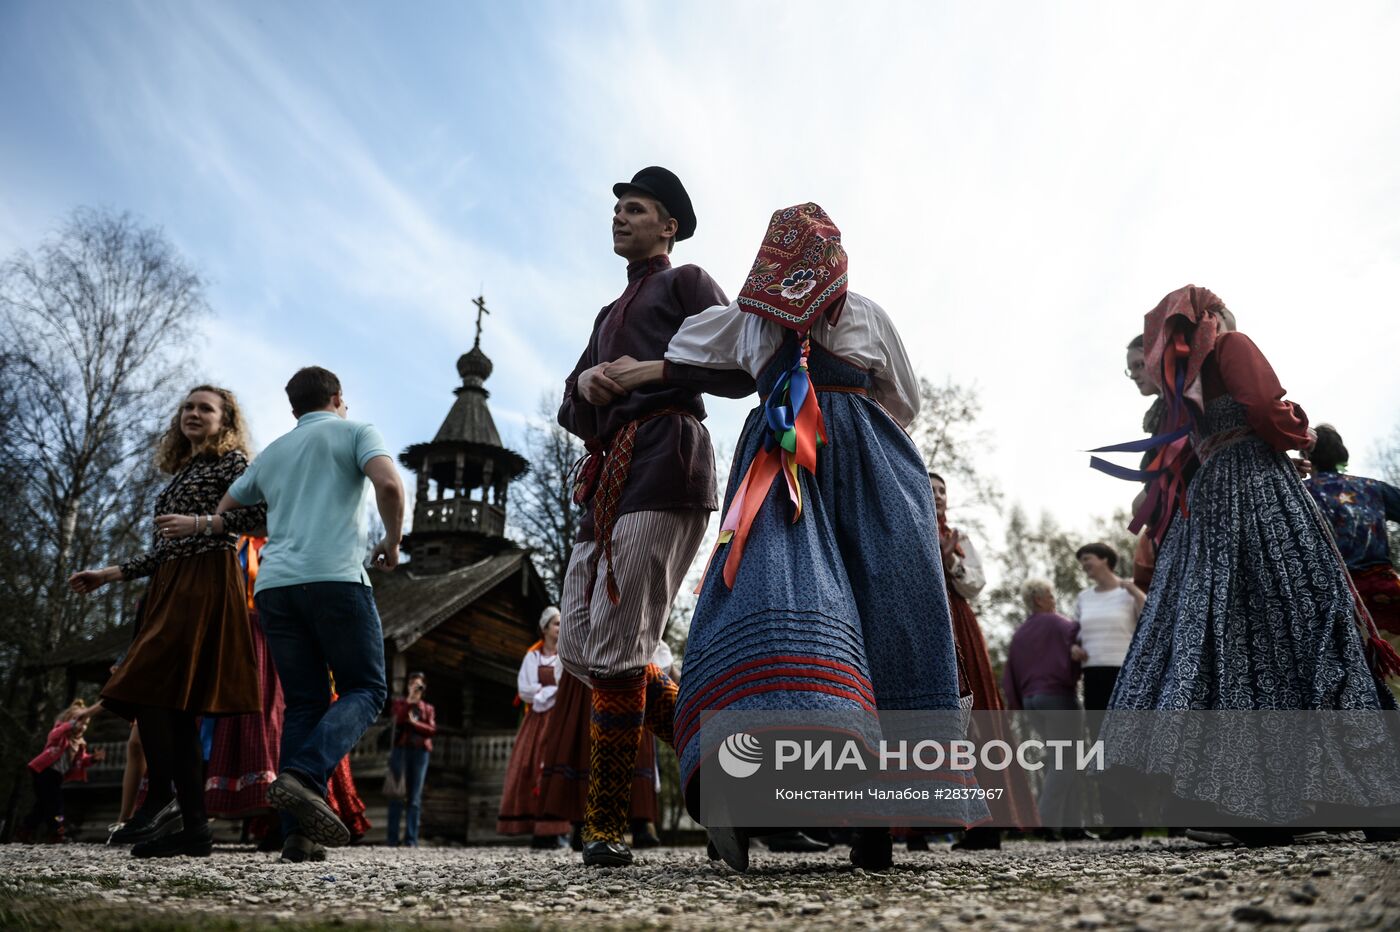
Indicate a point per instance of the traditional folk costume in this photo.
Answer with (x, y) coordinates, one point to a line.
(562, 794)
(1250, 608)
(537, 687)
(1014, 805)
(648, 484)
(341, 794)
(243, 760)
(826, 590)
(1357, 509)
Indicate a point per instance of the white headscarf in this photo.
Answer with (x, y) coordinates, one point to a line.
(548, 615)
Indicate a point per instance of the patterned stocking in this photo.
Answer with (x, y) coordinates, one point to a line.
(616, 732)
(661, 693)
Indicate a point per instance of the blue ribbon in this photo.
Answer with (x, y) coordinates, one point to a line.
(1123, 472)
(1145, 444)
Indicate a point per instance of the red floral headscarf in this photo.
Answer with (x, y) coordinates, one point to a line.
(1181, 326)
(1178, 334)
(800, 270)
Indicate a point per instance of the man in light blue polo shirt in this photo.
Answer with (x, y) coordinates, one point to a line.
(313, 594)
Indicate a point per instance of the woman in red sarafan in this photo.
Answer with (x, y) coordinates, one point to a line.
(537, 687)
(962, 573)
(243, 758)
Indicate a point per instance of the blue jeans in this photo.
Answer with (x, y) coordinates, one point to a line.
(412, 765)
(314, 630)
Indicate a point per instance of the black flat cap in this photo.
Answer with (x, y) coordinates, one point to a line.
(663, 185)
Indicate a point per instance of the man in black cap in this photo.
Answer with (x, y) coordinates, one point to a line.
(648, 485)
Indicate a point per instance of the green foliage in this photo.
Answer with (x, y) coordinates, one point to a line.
(1043, 549)
(954, 444)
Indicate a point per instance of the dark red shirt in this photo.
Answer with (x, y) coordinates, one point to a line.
(415, 723)
(1038, 661)
(672, 462)
(1237, 368)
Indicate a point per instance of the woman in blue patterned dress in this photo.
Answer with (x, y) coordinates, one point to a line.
(1250, 607)
(841, 609)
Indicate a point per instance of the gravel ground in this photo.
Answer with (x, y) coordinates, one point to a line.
(1339, 883)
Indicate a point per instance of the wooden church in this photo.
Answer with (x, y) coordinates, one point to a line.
(463, 610)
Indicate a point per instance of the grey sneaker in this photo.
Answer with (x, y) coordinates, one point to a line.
(300, 848)
(315, 819)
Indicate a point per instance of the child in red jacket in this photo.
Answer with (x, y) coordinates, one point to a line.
(65, 758)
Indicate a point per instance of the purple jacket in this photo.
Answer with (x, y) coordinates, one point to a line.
(1038, 661)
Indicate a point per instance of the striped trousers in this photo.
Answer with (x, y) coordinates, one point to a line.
(652, 551)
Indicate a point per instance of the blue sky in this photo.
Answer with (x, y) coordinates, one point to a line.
(1017, 184)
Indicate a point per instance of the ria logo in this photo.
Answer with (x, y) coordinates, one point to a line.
(741, 755)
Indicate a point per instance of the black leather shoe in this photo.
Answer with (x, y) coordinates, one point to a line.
(643, 836)
(872, 849)
(980, 839)
(1119, 834)
(794, 843)
(1244, 837)
(300, 848)
(273, 840)
(148, 824)
(606, 854)
(917, 843)
(190, 843)
(315, 818)
(732, 844)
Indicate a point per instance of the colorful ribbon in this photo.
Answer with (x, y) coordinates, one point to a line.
(796, 431)
(1166, 473)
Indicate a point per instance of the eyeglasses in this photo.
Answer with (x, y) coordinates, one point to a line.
(1134, 369)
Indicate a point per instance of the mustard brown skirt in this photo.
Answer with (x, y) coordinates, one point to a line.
(193, 651)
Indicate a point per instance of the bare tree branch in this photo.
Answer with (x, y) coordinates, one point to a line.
(96, 329)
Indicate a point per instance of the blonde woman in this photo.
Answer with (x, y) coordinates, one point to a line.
(193, 654)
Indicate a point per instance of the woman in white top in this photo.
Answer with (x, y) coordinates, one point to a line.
(825, 594)
(1107, 613)
(536, 684)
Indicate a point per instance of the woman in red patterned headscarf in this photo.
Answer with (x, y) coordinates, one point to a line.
(1250, 607)
(825, 595)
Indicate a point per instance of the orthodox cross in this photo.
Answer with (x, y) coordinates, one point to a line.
(480, 302)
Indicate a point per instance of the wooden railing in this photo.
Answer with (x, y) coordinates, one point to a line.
(460, 514)
(483, 753)
(112, 764)
(490, 751)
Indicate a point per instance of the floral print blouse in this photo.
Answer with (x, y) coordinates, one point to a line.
(197, 489)
(1357, 508)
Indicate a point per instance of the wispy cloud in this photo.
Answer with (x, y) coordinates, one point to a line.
(1017, 185)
